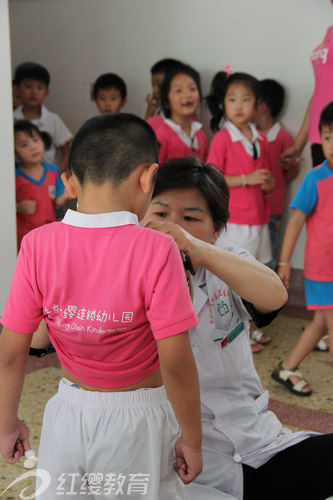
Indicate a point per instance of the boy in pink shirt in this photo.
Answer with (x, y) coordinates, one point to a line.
(269, 106)
(117, 308)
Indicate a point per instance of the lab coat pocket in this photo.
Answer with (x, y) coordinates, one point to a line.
(262, 402)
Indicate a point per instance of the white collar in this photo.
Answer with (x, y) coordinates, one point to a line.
(192, 140)
(236, 134)
(109, 219)
(18, 112)
(195, 126)
(273, 132)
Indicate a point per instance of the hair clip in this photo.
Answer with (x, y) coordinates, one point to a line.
(227, 69)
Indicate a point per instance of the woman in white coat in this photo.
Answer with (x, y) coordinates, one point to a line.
(246, 450)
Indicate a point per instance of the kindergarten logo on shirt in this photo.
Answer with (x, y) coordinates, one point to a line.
(68, 318)
(52, 192)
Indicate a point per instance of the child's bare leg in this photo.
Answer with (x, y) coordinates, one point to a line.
(329, 322)
(40, 339)
(305, 344)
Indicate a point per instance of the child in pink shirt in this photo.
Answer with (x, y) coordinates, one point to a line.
(116, 303)
(268, 108)
(240, 152)
(178, 133)
(158, 72)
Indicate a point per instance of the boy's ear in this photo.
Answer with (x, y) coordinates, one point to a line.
(70, 183)
(147, 177)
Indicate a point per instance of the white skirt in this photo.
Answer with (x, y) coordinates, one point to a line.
(254, 239)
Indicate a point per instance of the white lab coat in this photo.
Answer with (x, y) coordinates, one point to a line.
(237, 428)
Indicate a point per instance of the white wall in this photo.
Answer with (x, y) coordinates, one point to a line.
(7, 196)
(79, 39)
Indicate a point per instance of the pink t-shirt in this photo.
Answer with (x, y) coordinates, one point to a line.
(172, 146)
(155, 121)
(107, 289)
(278, 140)
(247, 205)
(322, 63)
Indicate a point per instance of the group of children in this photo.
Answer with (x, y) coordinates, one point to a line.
(113, 340)
(256, 179)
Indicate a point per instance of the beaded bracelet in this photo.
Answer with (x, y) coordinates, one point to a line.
(283, 264)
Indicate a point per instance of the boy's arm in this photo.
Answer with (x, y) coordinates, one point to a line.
(292, 232)
(238, 272)
(61, 200)
(14, 434)
(180, 378)
(26, 207)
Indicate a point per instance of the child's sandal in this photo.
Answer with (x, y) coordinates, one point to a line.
(255, 346)
(259, 337)
(282, 376)
(322, 345)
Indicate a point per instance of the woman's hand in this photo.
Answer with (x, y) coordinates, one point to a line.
(187, 243)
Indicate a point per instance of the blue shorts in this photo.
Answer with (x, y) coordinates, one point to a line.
(318, 294)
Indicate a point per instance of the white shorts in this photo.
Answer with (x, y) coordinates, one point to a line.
(254, 239)
(109, 445)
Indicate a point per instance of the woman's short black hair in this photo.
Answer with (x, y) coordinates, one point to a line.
(166, 84)
(189, 173)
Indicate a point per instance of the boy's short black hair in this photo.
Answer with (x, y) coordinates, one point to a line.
(32, 71)
(326, 117)
(108, 148)
(107, 81)
(30, 129)
(165, 65)
(189, 173)
(272, 93)
(166, 84)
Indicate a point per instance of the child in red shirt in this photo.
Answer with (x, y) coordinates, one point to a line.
(269, 106)
(39, 188)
